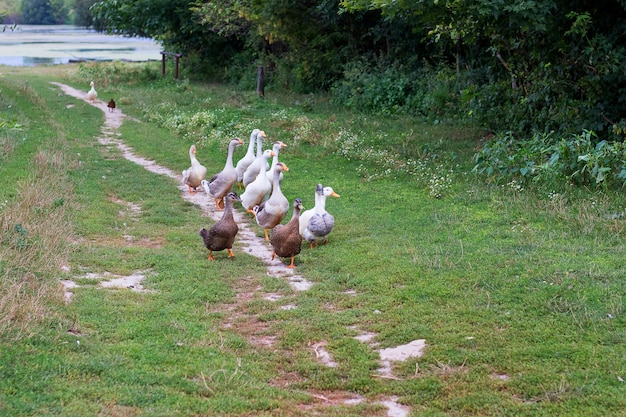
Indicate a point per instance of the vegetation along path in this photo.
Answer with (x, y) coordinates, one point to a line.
(239, 318)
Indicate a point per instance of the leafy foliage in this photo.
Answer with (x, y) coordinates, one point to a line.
(390, 89)
(44, 12)
(82, 13)
(578, 159)
(521, 66)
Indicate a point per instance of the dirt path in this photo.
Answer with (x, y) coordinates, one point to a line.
(246, 324)
(251, 243)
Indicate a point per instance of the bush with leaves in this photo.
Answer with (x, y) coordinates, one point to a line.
(44, 12)
(579, 159)
(390, 88)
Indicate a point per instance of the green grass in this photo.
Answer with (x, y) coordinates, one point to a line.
(519, 293)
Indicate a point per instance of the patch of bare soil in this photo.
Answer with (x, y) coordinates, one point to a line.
(132, 282)
(239, 316)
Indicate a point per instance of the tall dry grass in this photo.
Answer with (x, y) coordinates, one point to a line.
(35, 240)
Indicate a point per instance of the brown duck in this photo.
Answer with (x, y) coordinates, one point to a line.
(222, 234)
(285, 239)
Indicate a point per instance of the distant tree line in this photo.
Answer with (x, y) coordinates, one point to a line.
(524, 66)
(47, 12)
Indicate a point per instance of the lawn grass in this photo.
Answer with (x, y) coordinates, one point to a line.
(517, 290)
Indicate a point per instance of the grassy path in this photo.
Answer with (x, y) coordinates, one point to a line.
(255, 331)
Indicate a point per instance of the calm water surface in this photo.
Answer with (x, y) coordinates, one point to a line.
(30, 45)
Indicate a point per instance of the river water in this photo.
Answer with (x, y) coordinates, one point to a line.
(29, 45)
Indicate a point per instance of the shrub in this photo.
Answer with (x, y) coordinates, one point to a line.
(578, 159)
(387, 89)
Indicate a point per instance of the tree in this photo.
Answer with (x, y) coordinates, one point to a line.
(82, 10)
(306, 43)
(537, 65)
(523, 65)
(44, 12)
(173, 24)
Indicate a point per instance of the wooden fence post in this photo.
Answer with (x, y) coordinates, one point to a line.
(176, 60)
(260, 81)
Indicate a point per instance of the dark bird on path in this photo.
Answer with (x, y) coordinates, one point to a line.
(111, 105)
(285, 239)
(222, 234)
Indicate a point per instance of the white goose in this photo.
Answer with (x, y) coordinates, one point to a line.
(257, 190)
(258, 165)
(193, 176)
(92, 94)
(220, 184)
(316, 223)
(272, 211)
(278, 145)
(247, 159)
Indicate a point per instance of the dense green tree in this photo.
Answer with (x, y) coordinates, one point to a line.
(527, 65)
(44, 12)
(82, 13)
(308, 41)
(174, 25)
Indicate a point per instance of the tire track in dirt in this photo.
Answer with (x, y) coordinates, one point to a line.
(251, 328)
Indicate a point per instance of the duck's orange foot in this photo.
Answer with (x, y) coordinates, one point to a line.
(230, 253)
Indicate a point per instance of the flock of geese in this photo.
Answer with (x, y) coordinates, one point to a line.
(262, 198)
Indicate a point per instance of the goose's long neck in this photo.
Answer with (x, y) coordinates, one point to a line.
(276, 180)
(320, 203)
(250, 150)
(259, 146)
(274, 160)
(229, 157)
(194, 161)
(296, 212)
